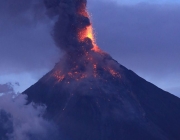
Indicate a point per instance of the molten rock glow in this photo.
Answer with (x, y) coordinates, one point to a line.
(73, 33)
(73, 27)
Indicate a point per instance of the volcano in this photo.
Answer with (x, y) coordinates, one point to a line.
(107, 105)
(90, 96)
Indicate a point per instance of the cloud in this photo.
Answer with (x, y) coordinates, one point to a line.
(6, 88)
(10, 87)
(24, 122)
(143, 37)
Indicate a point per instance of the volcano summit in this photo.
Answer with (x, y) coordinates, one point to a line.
(92, 97)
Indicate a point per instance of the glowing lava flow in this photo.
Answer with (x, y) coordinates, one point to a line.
(70, 75)
(93, 69)
(88, 33)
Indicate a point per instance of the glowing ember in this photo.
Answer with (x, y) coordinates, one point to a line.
(95, 71)
(115, 74)
(87, 33)
(95, 48)
(70, 75)
(58, 76)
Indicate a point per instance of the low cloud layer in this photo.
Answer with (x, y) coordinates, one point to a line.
(6, 88)
(24, 122)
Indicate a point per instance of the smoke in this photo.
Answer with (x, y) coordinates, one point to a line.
(72, 21)
(24, 122)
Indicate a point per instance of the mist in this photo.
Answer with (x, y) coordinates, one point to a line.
(19, 121)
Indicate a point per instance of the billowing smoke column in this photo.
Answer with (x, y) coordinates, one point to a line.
(72, 31)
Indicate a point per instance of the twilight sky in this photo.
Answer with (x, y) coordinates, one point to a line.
(142, 35)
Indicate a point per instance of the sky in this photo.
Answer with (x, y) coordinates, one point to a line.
(129, 2)
(142, 35)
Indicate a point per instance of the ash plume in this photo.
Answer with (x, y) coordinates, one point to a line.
(72, 21)
(73, 34)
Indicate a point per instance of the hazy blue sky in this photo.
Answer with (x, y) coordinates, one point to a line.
(147, 1)
(141, 35)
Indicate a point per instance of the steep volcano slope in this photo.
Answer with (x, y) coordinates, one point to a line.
(161, 107)
(108, 103)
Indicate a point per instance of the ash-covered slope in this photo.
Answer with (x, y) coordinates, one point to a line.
(108, 102)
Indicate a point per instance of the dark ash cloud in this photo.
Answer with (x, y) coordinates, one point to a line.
(72, 21)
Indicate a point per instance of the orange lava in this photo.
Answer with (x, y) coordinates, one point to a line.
(70, 75)
(88, 33)
(114, 73)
